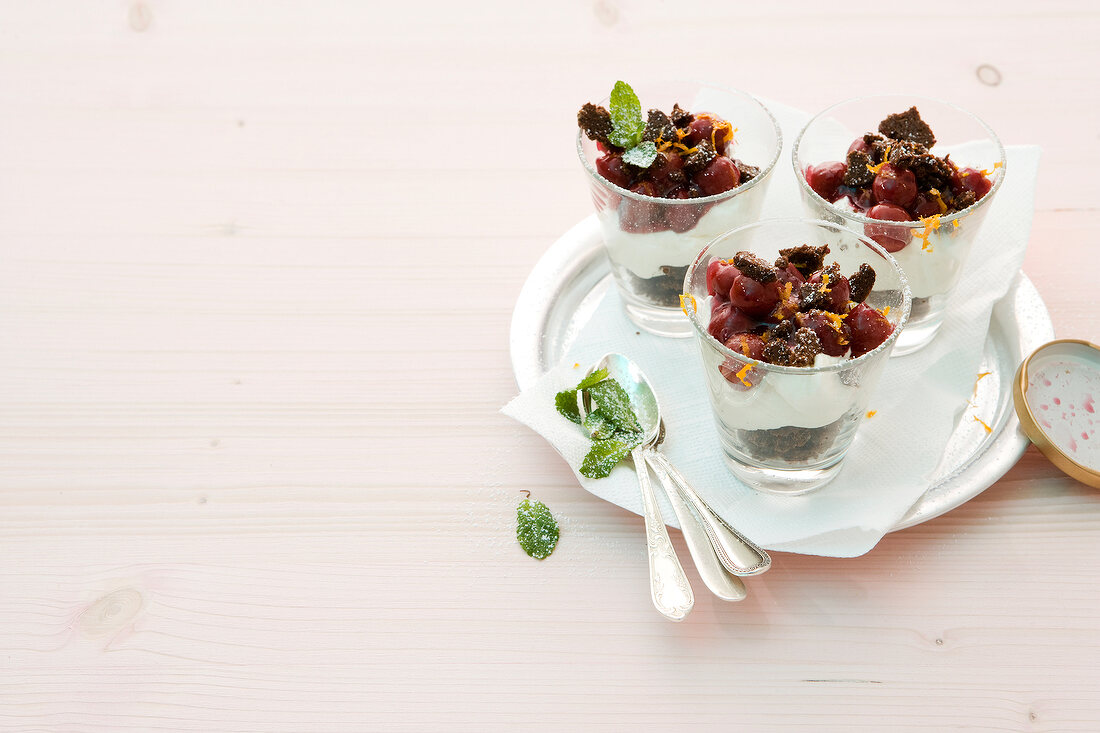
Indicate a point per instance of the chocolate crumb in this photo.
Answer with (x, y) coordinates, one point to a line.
(595, 122)
(748, 172)
(658, 127)
(963, 200)
(752, 266)
(908, 125)
(781, 262)
(776, 351)
(681, 117)
(806, 346)
(701, 158)
(811, 296)
(806, 259)
(861, 283)
(858, 175)
(781, 331)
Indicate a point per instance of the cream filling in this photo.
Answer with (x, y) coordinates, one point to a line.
(807, 400)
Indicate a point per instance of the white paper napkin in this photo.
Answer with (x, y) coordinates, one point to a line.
(918, 401)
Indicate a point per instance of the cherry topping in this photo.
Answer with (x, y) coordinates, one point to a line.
(924, 206)
(611, 168)
(971, 179)
(726, 320)
(826, 178)
(720, 276)
(839, 291)
(895, 186)
(869, 328)
(753, 297)
(702, 128)
(720, 175)
(890, 238)
(835, 337)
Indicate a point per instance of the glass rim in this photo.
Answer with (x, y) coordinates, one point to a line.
(916, 98)
(740, 188)
(907, 301)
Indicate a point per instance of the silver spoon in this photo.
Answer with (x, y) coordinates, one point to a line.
(668, 585)
(738, 554)
(717, 578)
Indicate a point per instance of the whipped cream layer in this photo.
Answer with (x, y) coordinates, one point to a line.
(806, 400)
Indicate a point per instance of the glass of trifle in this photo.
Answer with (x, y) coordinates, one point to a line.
(670, 167)
(795, 319)
(917, 175)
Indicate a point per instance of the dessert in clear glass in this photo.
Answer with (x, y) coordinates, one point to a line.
(917, 175)
(697, 165)
(795, 320)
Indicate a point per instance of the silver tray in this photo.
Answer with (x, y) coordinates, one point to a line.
(569, 280)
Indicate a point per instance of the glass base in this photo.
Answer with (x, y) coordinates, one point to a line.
(667, 322)
(924, 321)
(782, 482)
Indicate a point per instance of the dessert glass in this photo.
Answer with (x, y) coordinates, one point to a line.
(931, 251)
(785, 430)
(648, 259)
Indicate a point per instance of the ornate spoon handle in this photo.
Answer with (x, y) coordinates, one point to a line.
(726, 586)
(738, 553)
(667, 582)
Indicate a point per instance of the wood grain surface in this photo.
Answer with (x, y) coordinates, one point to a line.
(257, 265)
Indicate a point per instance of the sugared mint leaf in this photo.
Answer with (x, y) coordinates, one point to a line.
(626, 117)
(606, 454)
(641, 155)
(536, 529)
(594, 378)
(598, 426)
(566, 402)
(611, 399)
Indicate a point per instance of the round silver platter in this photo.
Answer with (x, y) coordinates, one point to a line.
(569, 280)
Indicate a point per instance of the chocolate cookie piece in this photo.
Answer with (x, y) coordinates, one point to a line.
(658, 127)
(776, 351)
(752, 266)
(595, 122)
(681, 117)
(748, 172)
(930, 171)
(701, 158)
(806, 259)
(781, 331)
(858, 175)
(963, 200)
(806, 346)
(811, 295)
(861, 283)
(908, 125)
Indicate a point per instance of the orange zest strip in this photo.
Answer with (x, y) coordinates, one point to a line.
(886, 311)
(939, 200)
(872, 413)
(983, 375)
(885, 159)
(931, 224)
(744, 371)
(686, 298)
(979, 420)
(576, 364)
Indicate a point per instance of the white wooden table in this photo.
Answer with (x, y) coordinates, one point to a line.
(257, 264)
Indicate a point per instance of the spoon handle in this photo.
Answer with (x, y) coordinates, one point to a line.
(739, 554)
(667, 582)
(721, 583)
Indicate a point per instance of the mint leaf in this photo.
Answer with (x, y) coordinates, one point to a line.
(598, 426)
(606, 454)
(594, 378)
(626, 117)
(566, 402)
(641, 155)
(611, 399)
(536, 529)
